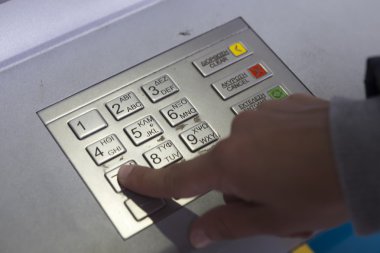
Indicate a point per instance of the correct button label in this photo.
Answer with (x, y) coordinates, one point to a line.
(242, 80)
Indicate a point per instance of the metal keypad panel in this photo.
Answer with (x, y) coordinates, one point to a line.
(168, 109)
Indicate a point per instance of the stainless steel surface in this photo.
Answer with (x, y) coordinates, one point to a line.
(237, 82)
(176, 109)
(163, 155)
(124, 105)
(324, 44)
(179, 112)
(87, 124)
(143, 130)
(219, 58)
(199, 136)
(160, 88)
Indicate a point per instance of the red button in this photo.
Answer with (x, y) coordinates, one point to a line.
(258, 71)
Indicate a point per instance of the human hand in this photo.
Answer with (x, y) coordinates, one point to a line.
(276, 171)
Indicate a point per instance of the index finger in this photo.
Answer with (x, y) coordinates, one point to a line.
(181, 180)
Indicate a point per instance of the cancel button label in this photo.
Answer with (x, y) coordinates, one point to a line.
(242, 80)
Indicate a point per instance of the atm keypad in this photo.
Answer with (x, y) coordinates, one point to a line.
(156, 117)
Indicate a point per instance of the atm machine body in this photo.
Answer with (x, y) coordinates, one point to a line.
(47, 203)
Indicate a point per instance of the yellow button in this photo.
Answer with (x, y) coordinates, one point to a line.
(304, 248)
(237, 49)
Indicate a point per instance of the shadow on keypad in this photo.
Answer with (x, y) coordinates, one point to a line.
(142, 206)
(164, 216)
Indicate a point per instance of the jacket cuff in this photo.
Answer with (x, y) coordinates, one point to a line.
(355, 132)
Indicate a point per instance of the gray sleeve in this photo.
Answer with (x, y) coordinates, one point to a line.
(355, 131)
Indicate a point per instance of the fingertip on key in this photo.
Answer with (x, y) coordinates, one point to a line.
(123, 173)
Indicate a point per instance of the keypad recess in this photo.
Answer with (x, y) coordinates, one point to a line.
(181, 104)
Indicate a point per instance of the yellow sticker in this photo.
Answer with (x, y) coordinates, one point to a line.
(304, 248)
(237, 49)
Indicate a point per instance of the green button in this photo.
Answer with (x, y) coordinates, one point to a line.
(277, 93)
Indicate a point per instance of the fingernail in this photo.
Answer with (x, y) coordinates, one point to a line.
(199, 239)
(123, 173)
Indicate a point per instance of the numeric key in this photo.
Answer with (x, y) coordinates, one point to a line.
(179, 111)
(160, 88)
(199, 136)
(143, 130)
(163, 155)
(124, 105)
(87, 124)
(106, 149)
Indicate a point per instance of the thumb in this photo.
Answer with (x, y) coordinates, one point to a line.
(232, 221)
